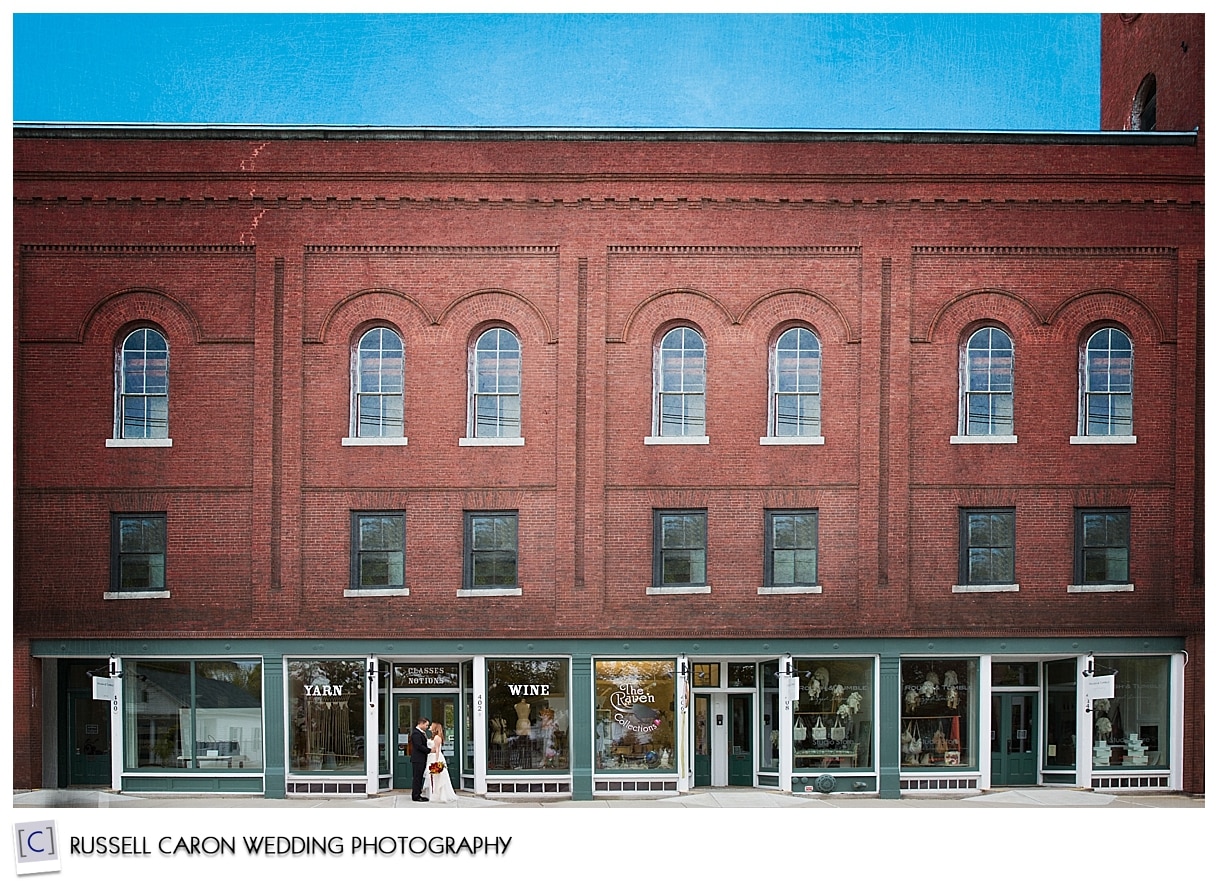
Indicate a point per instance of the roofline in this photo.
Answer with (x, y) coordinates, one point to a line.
(221, 131)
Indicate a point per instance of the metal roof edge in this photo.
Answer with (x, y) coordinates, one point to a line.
(187, 131)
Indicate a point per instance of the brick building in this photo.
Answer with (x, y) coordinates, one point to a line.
(642, 460)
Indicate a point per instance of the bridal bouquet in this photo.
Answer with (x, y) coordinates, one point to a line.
(436, 768)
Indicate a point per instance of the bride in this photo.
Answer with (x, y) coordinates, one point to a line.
(437, 786)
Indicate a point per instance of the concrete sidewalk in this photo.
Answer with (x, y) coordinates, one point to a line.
(717, 798)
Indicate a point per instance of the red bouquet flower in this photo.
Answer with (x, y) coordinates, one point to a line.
(436, 768)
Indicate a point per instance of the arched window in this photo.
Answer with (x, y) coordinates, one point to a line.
(795, 385)
(377, 378)
(143, 386)
(680, 384)
(495, 385)
(988, 383)
(1107, 383)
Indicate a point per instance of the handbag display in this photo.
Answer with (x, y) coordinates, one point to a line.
(800, 731)
(838, 732)
(818, 731)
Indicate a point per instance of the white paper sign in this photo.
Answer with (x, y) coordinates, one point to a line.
(1101, 687)
(792, 689)
(103, 688)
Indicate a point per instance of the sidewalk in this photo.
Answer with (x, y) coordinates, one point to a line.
(717, 798)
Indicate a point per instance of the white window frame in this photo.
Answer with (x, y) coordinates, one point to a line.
(1084, 392)
(658, 393)
(772, 437)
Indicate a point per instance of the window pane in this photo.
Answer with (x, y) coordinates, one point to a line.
(326, 716)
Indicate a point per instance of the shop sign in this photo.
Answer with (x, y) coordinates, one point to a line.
(427, 675)
(633, 713)
(326, 691)
(1100, 687)
(103, 688)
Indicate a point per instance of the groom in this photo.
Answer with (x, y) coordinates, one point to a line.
(418, 758)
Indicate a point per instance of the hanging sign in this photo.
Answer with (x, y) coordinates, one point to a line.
(1100, 687)
(103, 688)
(792, 688)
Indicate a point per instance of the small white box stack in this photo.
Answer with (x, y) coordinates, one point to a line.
(1135, 751)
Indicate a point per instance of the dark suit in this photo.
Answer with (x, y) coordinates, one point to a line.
(418, 761)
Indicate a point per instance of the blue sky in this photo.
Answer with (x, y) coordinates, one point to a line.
(870, 71)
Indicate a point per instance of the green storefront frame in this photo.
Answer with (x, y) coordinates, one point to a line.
(884, 780)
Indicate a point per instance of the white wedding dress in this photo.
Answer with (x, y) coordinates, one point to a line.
(437, 788)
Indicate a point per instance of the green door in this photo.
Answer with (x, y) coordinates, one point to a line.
(406, 711)
(1013, 739)
(740, 741)
(88, 739)
(702, 741)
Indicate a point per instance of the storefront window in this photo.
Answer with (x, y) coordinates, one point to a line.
(938, 718)
(833, 718)
(635, 710)
(1131, 729)
(326, 715)
(529, 714)
(1061, 707)
(467, 699)
(769, 717)
(204, 714)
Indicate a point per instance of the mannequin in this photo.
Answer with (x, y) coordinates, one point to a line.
(523, 711)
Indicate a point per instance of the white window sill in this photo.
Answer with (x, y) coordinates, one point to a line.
(374, 442)
(679, 589)
(982, 589)
(1096, 589)
(139, 442)
(789, 589)
(1103, 439)
(984, 439)
(784, 440)
(376, 592)
(135, 595)
(489, 592)
(676, 439)
(490, 442)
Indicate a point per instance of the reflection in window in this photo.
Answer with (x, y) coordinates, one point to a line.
(680, 548)
(635, 715)
(490, 549)
(795, 385)
(681, 384)
(143, 386)
(495, 385)
(528, 713)
(1108, 384)
(378, 384)
(1061, 714)
(938, 719)
(378, 545)
(1101, 546)
(987, 546)
(989, 383)
(834, 716)
(137, 552)
(326, 715)
(204, 714)
(1131, 729)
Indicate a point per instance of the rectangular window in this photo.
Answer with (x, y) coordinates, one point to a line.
(635, 716)
(137, 552)
(528, 714)
(326, 716)
(181, 714)
(1101, 546)
(490, 549)
(834, 714)
(679, 555)
(378, 550)
(987, 546)
(938, 719)
(791, 548)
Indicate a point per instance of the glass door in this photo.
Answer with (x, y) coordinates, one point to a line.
(437, 708)
(702, 741)
(1013, 739)
(740, 745)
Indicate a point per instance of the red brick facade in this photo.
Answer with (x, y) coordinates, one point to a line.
(264, 255)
